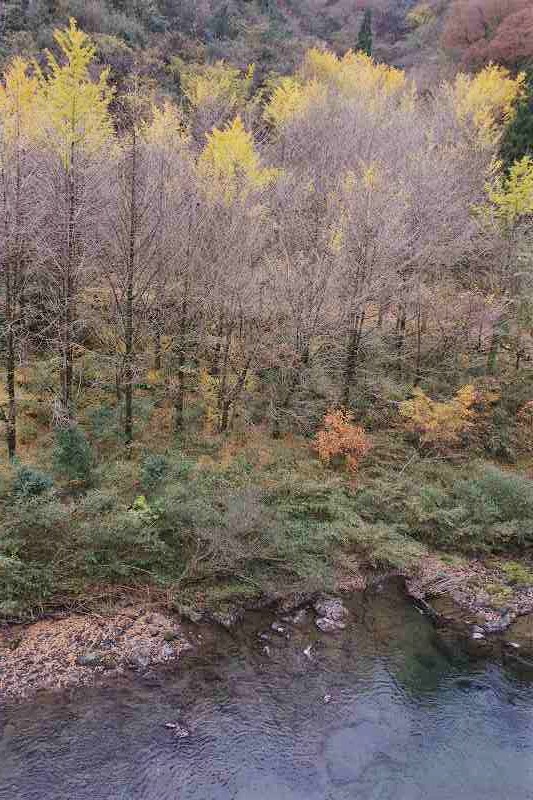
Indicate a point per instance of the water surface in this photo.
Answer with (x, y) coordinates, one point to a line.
(391, 709)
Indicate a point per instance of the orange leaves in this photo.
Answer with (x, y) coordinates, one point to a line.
(339, 438)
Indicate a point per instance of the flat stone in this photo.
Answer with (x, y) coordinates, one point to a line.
(89, 660)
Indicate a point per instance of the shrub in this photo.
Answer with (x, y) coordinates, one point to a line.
(31, 482)
(439, 424)
(73, 456)
(339, 438)
(153, 470)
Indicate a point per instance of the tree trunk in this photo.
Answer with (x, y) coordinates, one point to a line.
(352, 353)
(128, 336)
(68, 288)
(11, 424)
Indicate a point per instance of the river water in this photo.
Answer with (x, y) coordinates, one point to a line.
(390, 709)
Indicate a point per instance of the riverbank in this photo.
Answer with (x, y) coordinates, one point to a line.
(69, 650)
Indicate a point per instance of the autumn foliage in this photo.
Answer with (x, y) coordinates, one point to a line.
(339, 438)
(481, 31)
(440, 424)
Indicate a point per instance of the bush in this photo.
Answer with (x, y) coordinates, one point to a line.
(31, 482)
(73, 456)
(339, 438)
(154, 468)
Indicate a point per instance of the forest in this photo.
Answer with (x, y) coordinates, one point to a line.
(261, 327)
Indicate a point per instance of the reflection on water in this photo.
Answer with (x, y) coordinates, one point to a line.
(387, 710)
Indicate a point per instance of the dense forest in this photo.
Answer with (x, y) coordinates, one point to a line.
(267, 311)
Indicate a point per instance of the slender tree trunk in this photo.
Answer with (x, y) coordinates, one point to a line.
(418, 345)
(352, 353)
(11, 424)
(179, 399)
(128, 356)
(157, 345)
(68, 287)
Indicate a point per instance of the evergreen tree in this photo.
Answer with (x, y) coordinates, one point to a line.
(518, 139)
(364, 40)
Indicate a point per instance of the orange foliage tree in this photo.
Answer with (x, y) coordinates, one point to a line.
(339, 438)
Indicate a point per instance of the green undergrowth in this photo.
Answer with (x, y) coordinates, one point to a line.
(205, 528)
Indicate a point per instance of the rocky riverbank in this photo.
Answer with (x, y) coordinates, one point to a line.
(81, 650)
(480, 600)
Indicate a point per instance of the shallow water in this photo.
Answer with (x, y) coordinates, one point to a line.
(388, 710)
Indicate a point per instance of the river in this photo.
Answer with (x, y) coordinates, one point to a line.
(389, 709)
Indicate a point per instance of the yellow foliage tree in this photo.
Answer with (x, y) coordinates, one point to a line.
(440, 424)
(487, 100)
(18, 102)
(512, 197)
(217, 83)
(353, 75)
(75, 108)
(167, 126)
(230, 162)
(290, 98)
(340, 438)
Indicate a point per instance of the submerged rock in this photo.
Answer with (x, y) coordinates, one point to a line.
(179, 730)
(498, 625)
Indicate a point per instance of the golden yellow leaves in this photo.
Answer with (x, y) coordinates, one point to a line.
(440, 424)
(487, 100)
(217, 83)
(167, 126)
(353, 75)
(230, 163)
(512, 197)
(292, 97)
(74, 107)
(18, 99)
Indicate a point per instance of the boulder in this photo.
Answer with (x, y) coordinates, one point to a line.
(329, 625)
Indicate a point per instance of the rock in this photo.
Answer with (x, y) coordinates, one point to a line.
(477, 632)
(308, 651)
(140, 658)
(331, 609)
(89, 660)
(157, 621)
(266, 650)
(167, 652)
(329, 625)
(296, 619)
(498, 625)
(191, 614)
(179, 730)
(277, 627)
